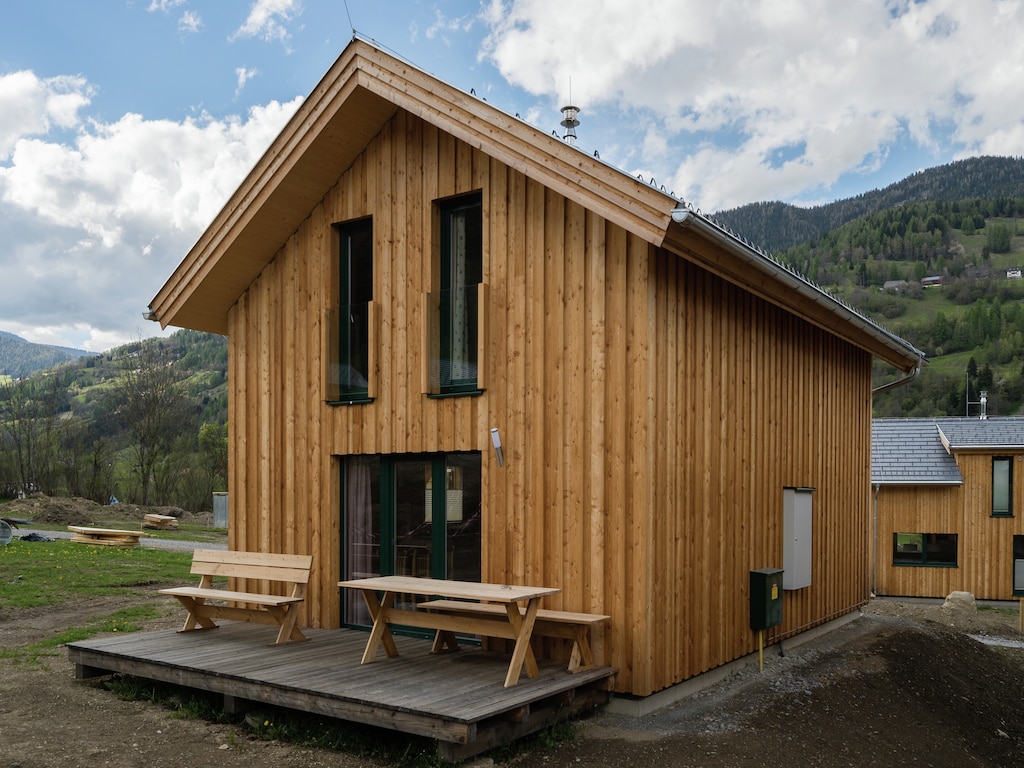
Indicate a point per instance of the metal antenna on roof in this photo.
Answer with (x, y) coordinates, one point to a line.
(570, 119)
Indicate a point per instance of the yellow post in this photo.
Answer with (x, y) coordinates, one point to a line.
(760, 648)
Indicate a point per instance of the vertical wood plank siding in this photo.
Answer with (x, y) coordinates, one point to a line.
(651, 414)
(984, 543)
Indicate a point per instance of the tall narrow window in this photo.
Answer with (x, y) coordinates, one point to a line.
(351, 375)
(461, 274)
(1002, 486)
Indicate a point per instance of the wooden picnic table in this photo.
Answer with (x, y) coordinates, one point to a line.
(518, 627)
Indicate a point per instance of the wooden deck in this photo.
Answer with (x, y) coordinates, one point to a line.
(457, 699)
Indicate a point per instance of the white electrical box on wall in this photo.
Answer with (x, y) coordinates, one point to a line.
(797, 527)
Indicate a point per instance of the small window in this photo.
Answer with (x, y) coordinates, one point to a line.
(1002, 487)
(349, 376)
(935, 549)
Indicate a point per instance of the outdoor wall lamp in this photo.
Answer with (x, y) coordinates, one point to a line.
(496, 440)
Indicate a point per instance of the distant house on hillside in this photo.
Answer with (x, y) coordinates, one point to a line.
(1014, 273)
(931, 281)
(947, 494)
(894, 286)
(409, 271)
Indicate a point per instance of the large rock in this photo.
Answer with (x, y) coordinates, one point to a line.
(960, 600)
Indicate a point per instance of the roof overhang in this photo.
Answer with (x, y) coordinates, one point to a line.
(362, 91)
(760, 274)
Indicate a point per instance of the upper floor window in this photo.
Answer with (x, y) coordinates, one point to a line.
(349, 375)
(1002, 486)
(458, 360)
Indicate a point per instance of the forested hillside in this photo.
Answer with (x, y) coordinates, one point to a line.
(777, 226)
(145, 422)
(19, 357)
(946, 277)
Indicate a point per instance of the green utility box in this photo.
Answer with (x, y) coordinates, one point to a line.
(765, 598)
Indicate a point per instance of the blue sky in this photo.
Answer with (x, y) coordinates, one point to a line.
(126, 124)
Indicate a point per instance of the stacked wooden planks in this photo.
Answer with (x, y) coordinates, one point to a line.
(160, 522)
(109, 537)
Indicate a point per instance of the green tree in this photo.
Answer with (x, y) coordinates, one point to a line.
(999, 238)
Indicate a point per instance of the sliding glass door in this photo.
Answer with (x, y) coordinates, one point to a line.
(410, 516)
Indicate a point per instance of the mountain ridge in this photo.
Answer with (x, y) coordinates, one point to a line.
(19, 357)
(777, 226)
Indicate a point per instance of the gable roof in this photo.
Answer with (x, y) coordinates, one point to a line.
(921, 451)
(362, 91)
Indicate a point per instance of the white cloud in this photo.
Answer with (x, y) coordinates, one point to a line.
(773, 99)
(32, 106)
(164, 5)
(97, 223)
(190, 22)
(268, 20)
(243, 76)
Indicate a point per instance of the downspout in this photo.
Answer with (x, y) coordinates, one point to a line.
(874, 548)
(906, 379)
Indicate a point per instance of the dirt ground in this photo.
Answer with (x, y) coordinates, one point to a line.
(905, 683)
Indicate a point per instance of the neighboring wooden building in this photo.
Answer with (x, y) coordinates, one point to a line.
(409, 274)
(945, 493)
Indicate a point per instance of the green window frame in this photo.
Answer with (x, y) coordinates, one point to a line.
(461, 272)
(350, 377)
(936, 550)
(1002, 486)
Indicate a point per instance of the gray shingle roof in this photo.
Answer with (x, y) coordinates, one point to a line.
(910, 451)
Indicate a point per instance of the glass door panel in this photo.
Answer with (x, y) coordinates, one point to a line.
(362, 528)
(462, 524)
(410, 516)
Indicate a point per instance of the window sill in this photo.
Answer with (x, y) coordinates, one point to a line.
(465, 393)
(351, 401)
(925, 565)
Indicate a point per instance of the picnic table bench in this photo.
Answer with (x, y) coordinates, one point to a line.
(566, 625)
(261, 606)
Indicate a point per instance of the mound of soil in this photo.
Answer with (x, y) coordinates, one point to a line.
(56, 510)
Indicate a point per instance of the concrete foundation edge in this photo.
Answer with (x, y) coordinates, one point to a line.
(639, 707)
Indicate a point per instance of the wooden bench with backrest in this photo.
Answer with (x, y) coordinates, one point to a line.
(262, 606)
(564, 625)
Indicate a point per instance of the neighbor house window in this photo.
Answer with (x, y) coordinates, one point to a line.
(349, 378)
(937, 549)
(1002, 487)
(455, 359)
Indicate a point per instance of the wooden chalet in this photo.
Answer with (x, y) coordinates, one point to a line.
(411, 279)
(945, 497)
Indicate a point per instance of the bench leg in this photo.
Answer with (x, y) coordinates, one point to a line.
(194, 607)
(286, 616)
(444, 642)
(582, 657)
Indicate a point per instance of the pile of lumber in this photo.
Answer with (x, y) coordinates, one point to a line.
(160, 522)
(105, 536)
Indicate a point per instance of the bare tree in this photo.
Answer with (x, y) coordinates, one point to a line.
(29, 412)
(151, 405)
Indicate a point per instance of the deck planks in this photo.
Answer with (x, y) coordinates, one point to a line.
(458, 699)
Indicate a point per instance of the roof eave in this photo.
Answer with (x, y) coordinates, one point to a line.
(814, 304)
